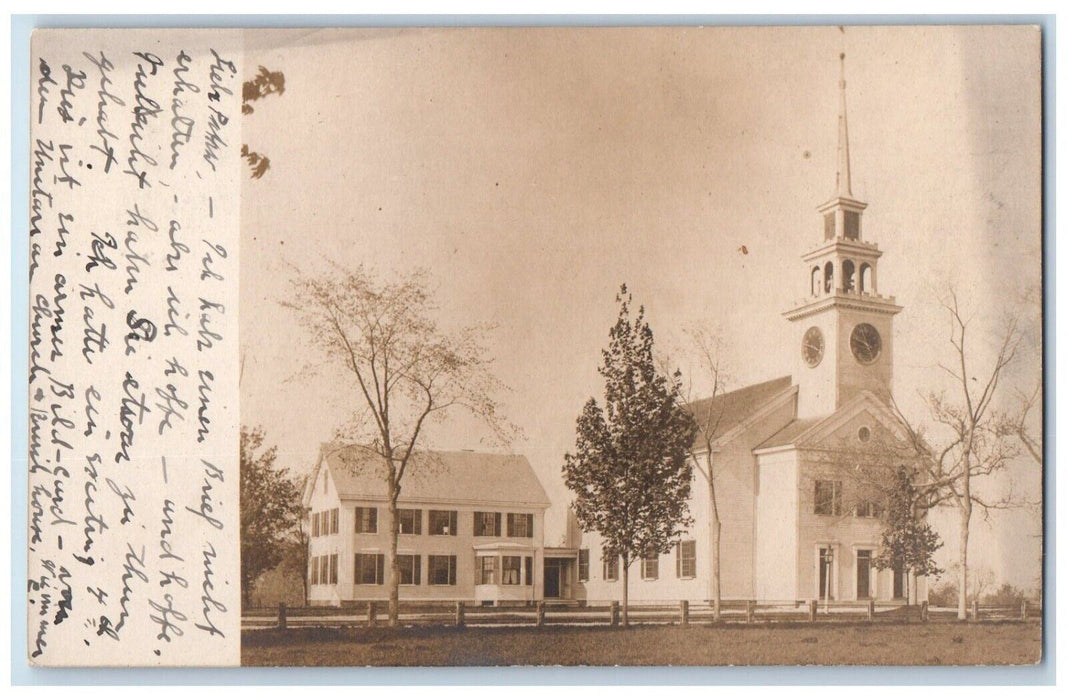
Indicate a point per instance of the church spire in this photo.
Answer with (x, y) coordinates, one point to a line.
(844, 171)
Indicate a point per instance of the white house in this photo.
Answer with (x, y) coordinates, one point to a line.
(471, 527)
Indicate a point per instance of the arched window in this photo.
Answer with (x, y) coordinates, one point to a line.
(816, 281)
(848, 275)
(866, 281)
(828, 278)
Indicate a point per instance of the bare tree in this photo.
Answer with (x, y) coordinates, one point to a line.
(706, 349)
(406, 371)
(974, 439)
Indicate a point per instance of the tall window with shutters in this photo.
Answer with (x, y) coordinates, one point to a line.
(520, 525)
(486, 524)
(443, 522)
(583, 564)
(486, 570)
(650, 567)
(410, 566)
(611, 567)
(366, 520)
(686, 563)
(442, 569)
(370, 569)
(410, 521)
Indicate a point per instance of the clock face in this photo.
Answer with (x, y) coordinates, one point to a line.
(812, 346)
(865, 342)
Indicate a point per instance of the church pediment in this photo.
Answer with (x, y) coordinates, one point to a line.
(865, 422)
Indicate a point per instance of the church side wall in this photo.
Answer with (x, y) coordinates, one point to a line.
(737, 488)
(776, 526)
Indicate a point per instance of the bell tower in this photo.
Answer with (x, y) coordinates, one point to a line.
(843, 327)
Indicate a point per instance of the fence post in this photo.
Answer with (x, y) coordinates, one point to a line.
(750, 611)
(1023, 613)
(813, 606)
(974, 610)
(614, 613)
(924, 611)
(683, 610)
(870, 610)
(282, 621)
(461, 617)
(540, 613)
(371, 614)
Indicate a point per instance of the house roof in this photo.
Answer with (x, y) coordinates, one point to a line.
(789, 433)
(436, 476)
(735, 407)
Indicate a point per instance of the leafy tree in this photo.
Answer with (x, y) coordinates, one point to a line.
(270, 510)
(908, 541)
(405, 371)
(630, 471)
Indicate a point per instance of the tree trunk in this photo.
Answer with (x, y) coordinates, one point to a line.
(393, 576)
(965, 529)
(716, 546)
(625, 592)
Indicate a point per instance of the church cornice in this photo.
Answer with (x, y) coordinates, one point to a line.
(844, 245)
(845, 300)
(841, 203)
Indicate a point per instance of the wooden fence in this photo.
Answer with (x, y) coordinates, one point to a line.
(609, 613)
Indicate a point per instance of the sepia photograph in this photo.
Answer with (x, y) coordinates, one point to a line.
(646, 346)
(531, 352)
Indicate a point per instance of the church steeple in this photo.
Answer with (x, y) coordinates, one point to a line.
(843, 326)
(844, 167)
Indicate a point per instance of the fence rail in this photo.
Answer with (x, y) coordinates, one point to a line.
(606, 613)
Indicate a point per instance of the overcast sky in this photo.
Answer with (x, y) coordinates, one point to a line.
(533, 171)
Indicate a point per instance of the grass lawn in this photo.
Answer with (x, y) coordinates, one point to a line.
(842, 643)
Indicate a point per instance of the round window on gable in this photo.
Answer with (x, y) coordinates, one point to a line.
(864, 434)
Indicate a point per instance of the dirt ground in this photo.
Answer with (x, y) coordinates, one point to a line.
(945, 643)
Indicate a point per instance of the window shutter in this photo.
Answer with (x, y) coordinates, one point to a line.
(529, 571)
(453, 523)
(314, 524)
(452, 567)
(496, 524)
(678, 560)
(333, 568)
(418, 523)
(529, 525)
(416, 569)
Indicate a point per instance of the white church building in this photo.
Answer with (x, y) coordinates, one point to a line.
(790, 529)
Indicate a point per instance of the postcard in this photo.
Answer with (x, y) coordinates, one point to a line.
(687, 346)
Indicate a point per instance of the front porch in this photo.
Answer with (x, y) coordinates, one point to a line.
(561, 564)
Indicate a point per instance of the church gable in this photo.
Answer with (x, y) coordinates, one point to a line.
(865, 424)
